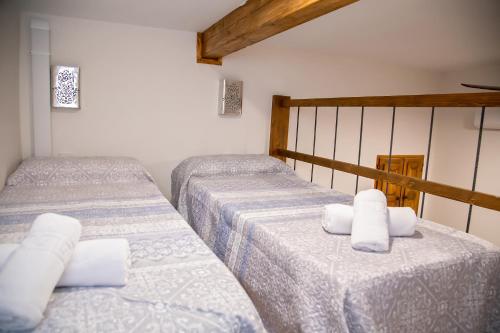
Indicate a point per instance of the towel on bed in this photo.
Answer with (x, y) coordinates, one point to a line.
(370, 229)
(5, 251)
(402, 221)
(100, 262)
(31, 273)
(337, 219)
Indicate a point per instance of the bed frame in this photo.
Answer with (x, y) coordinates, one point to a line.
(278, 144)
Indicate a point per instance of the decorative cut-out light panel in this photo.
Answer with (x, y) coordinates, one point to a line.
(65, 87)
(230, 97)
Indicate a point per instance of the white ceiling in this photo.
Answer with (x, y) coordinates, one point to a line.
(190, 15)
(433, 34)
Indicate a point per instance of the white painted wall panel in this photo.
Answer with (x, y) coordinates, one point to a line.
(40, 87)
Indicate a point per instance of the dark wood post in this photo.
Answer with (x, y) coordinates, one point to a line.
(280, 119)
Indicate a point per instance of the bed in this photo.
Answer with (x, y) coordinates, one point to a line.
(264, 222)
(176, 284)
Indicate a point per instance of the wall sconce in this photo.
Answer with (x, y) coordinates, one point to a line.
(66, 87)
(230, 97)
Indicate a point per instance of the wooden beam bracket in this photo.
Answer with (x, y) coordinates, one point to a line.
(199, 53)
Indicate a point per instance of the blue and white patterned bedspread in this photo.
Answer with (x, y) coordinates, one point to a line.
(176, 284)
(266, 227)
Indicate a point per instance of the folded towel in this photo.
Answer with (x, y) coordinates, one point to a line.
(5, 251)
(402, 221)
(370, 229)
(100, 262)
(30, 274)
(337, 219)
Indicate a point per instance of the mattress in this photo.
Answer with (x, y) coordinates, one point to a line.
(175, 283)
(265, 224)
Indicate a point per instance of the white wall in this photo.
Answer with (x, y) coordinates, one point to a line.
(143, 95)
(10, 145)
(410, 138)
(454, 151)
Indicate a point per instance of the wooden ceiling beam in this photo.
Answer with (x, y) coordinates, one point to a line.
(257, 20)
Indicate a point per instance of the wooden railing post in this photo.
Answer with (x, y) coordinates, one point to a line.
(280, 118)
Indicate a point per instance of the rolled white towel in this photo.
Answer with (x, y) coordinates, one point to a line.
(5, 251)
(337, 219)
(402, 221)
(100, 262)
(31, 273)
(370, 229)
